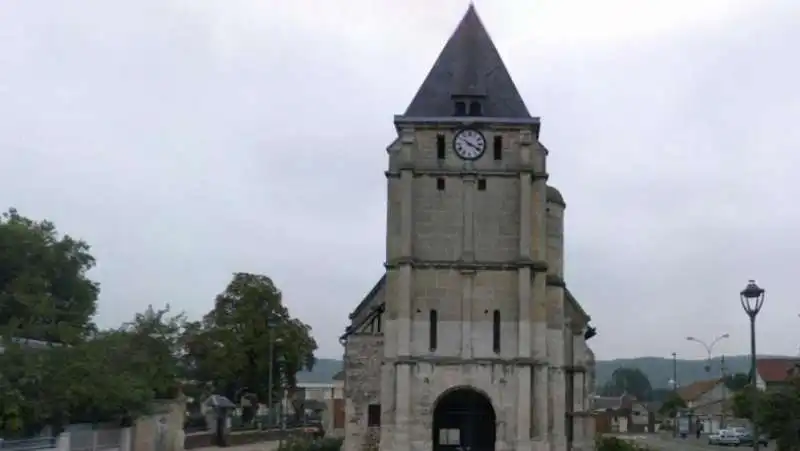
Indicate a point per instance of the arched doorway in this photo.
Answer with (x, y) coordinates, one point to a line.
(464, 420)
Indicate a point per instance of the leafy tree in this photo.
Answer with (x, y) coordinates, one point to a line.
(742, 402)
(736, 381)
(114, 376)
(662, 394)
(45, 293)
(248, 335)
(671, 405)
(628, 380)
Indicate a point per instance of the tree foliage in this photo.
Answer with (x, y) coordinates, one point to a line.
(245, 337)
(630, 381)
(114, 376)
(672, 404)
(778, 412)
(45, 293)
(736, 381)
(58, 368)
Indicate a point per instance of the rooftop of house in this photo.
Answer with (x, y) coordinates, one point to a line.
(611, 402)
(773, 370)
(697, 389)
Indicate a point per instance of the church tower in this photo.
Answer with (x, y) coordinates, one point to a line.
(470, 340)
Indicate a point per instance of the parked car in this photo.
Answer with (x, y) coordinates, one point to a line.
(747, 439)
(726, 437)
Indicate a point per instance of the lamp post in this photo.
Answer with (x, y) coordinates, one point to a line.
(272, 340)
(709, 347)
(752, 299)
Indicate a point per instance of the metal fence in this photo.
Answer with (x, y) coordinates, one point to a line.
(95, 439)
(29, 444)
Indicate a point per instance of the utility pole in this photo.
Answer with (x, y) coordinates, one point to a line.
(675, 390)
(724, 392)
(269, 376)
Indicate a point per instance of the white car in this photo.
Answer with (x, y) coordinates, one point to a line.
(728, 437)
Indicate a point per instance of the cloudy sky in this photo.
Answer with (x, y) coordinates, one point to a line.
(188, 139)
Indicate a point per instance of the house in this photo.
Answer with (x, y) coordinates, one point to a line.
(709, 401)
(29, 343)
(775, 372)
(621, 414)
(327, 397)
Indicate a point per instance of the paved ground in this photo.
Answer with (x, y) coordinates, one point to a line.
(263, 446)
(665, 442)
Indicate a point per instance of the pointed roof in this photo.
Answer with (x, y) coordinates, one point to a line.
(469, 66)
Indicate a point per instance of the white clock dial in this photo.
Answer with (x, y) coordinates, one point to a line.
(469, 144)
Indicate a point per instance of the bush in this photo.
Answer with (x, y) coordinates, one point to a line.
(304, 444)
(615, 444)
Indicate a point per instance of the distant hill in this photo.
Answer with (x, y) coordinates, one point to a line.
(657, 369)
(323, 371)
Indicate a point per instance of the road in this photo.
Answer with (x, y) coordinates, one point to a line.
(667, 443)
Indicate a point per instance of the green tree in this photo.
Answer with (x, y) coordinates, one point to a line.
(742, 402)
(114, 376)
(45, 293)
(736, 381)
(671, 405)
(248, 334)
(630, 381)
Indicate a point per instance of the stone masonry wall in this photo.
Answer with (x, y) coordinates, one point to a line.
(362, 387)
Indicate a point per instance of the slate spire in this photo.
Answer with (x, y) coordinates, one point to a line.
(468, 67)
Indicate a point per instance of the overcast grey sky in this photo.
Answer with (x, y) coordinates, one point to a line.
(188, 139)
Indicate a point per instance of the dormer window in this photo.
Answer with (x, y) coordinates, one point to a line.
(461, 108)
(475, 109)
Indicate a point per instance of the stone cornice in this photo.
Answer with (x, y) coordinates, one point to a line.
(573, 369)
(458, 361)
(445, 172)
(467, 121)
(554, 280)
(534, 265)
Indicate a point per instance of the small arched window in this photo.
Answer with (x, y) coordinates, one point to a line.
(461, 109)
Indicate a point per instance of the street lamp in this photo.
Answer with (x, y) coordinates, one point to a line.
(709, 347)
(272, 340)
(752, 299)
(709, 356)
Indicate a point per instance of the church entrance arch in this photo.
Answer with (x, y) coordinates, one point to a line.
(464, 420)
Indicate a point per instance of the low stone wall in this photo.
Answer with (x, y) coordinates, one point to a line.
(206, 439)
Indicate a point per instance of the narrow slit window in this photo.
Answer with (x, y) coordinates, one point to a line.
(482, 185)
(434, 331)
(440, 145)
(496, 331)
(440, 184)
(498, 148)
(374, 415)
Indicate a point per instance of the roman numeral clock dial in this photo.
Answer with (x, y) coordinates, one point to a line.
(469, 144)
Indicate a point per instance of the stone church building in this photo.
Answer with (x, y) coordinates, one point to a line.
(471, 339)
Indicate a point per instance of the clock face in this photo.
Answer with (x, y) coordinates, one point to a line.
(469, 144)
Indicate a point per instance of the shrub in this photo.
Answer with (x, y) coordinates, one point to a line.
(305, 444)
(616, 444)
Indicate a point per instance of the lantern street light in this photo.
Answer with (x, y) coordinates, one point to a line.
(752, 299)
